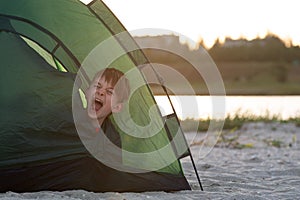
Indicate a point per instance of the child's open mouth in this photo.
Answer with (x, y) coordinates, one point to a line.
(98, 104)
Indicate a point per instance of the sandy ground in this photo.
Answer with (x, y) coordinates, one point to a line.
(258, 161)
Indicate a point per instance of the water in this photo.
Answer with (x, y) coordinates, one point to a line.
(202, 107)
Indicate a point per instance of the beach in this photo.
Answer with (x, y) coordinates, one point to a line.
(258, 161)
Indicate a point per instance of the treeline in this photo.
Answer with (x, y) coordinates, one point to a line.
(270, 48)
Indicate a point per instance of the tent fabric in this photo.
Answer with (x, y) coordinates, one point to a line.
(43, 45)
(88, 174)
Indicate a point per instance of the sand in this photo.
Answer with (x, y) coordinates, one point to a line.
(258, 161)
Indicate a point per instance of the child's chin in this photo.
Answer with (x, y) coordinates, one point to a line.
(92, 114)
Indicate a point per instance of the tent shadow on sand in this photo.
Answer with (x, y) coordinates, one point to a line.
(43, 45)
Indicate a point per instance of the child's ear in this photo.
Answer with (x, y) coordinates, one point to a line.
(117, 108)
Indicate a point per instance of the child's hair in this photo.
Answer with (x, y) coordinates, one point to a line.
(114, 76)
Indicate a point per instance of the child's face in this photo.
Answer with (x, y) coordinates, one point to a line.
(100, 97)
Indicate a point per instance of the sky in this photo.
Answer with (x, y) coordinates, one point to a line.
(211, 19)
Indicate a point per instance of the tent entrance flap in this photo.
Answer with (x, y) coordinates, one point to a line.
(170, 118)
(180, 145)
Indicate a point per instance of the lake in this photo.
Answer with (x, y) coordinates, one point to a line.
(202, 107)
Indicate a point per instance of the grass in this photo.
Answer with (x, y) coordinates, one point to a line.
(234, 122)
(240, 78)
(230, 133)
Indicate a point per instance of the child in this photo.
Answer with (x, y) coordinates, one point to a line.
(106, 94)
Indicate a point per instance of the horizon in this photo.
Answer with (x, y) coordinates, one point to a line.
(287, 43)
(217, 19)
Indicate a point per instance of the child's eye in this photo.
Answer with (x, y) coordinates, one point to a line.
(110, 92)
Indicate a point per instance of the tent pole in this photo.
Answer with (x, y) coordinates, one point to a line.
(188, 148)
(160, 79)
(195, 169)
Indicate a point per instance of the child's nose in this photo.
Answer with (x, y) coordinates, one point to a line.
(101, 92)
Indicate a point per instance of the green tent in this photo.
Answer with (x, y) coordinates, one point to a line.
(49, 53)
